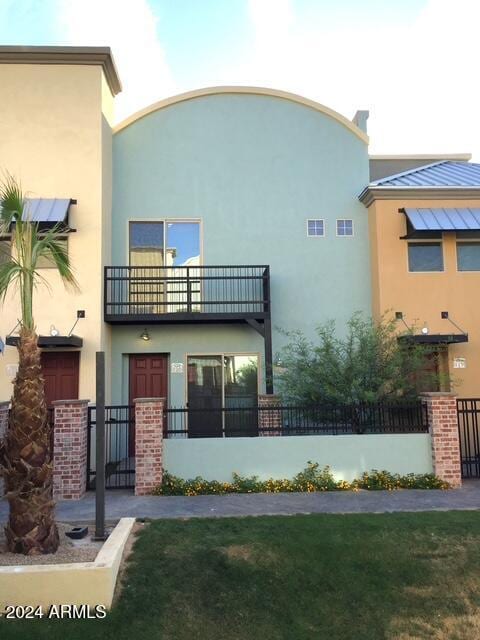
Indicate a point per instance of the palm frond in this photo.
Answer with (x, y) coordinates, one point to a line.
(11, 204)
(10, 273)
(49, 247)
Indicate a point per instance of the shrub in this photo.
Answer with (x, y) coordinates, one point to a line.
(311, 479)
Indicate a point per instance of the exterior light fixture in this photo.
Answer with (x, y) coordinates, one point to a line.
(145, 335)
(425, 330)
(53, 331)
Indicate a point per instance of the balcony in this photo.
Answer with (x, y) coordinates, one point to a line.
(187, 294)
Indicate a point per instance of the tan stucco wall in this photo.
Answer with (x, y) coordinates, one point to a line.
(422, 296)
(55, 139)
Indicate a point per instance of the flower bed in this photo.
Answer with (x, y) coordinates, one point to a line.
(311, 479)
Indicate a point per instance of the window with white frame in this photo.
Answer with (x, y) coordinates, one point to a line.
(344, 227)
(315, 228)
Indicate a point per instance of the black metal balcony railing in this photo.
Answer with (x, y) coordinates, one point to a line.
(164, 294)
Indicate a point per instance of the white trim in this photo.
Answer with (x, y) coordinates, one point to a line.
(322, 220)
(344, 235)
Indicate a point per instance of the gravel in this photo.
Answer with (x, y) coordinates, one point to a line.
(84, 550)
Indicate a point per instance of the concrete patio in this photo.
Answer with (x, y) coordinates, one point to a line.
(123, 503)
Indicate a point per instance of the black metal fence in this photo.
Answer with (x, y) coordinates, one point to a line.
(468, 412)
(154, 291)
(119, 447)
(296, 420)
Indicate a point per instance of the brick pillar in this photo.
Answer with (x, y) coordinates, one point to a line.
(70, 449)
(270, 419)
(4, 408)
(148, 444)
(442, 419)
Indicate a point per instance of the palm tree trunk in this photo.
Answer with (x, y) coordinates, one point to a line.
(27, 458)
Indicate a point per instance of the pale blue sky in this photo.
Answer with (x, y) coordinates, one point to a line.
(410, 62)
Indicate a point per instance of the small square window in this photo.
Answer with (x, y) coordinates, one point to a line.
(468, 256)
(315, 228)
(344, 227)
(425, 256)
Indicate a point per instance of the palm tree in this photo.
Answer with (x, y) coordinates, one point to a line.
(26, 456)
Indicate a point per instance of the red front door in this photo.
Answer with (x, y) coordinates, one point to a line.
(60, 370)
(148, 379)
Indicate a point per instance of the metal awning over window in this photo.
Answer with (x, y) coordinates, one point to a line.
(442, 219)
(435, 338)
(48, 212)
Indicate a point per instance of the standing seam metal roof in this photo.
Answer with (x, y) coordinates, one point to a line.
(438, 174)
(442, 219)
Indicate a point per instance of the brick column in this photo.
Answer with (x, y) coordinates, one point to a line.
(270, 419)
(148, 444)
(70, 449)
(4, 408)
(442, 419)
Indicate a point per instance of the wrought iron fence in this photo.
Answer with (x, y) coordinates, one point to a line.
(296, 420)
(468, 412)
(119, 447)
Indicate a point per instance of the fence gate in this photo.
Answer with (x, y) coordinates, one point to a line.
(119, 451)
(468, 411)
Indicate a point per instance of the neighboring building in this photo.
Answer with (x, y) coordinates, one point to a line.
(425, 257)
(56, 138)
(205, 226)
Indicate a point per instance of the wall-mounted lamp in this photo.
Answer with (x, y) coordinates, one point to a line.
(145, 335)
(425, 329)
(53, 331)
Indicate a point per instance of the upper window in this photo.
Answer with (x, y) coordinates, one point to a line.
(163, 243)
(47, 263)
(425, 256)
(344, 227)
(468, 256)
(315, 228)
(5, 251)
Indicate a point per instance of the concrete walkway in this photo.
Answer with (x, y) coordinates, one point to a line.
(124, 503)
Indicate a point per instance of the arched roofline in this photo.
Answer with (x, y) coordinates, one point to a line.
(260, 91)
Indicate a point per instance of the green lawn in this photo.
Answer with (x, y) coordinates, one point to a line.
(341, 577)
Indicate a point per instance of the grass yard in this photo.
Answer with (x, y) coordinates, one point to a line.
(341, 577)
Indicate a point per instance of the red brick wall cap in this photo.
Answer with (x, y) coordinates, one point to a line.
(438, 394)
(139, 400)
(58, 403)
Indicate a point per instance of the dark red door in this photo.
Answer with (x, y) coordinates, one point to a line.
(60, 370)
(148, 379)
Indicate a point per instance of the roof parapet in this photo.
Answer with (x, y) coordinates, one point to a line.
(101, 56)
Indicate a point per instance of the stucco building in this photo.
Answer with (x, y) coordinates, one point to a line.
(204, 226)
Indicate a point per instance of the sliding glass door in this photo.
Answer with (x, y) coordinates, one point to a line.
(222, 393)
(166, 255)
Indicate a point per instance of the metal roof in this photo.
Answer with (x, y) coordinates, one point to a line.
(438, 174)
(441, 219)
(49, 210)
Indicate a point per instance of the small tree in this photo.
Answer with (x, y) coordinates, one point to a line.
(26, 457)
(368, 364)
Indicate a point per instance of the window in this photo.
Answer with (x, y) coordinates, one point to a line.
(163, 243)
(425, 256)
(344, 227)
(47, 263)
(315, 228)
(468, 256)
(5, 251)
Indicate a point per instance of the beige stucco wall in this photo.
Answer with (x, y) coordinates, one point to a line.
(55, 138)
(422, 296)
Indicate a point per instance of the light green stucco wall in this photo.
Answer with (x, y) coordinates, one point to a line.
(177, 341)
(252, 168)
(348, 456)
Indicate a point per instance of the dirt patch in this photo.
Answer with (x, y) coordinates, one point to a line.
(253, 553)
(84, 550)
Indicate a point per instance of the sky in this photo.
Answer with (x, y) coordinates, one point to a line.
(412, 63)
